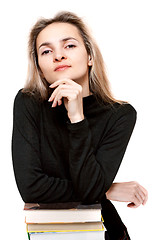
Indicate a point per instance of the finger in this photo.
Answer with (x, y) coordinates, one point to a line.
(63, 81)
(140, 198)
(56, 99)
(59, 102)
(137, 200)
(141, 193)
(145, 195)
(59, 88)
(146, 198)
(131, 205)
(67, 93)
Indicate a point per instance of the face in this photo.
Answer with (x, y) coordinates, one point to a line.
(62, 54)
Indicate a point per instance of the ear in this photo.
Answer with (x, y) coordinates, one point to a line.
(90, 61)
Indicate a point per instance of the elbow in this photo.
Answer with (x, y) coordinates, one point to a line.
(28, 197)
(29, 193)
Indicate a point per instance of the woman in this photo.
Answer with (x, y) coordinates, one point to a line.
(69, 133)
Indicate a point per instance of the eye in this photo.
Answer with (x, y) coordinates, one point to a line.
(46, 52)
(70, 46)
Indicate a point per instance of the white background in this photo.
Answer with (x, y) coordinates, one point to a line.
(128, 35)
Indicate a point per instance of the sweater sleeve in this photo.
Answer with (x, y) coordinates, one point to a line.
(33, 184)
(93, 171)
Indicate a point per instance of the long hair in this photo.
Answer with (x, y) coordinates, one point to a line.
(98, 81)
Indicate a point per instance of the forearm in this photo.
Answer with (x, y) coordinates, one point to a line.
(92, 168)
(87, 174)
(33, 184)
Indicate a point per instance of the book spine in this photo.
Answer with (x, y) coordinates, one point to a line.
(28, 235)
(85, 230)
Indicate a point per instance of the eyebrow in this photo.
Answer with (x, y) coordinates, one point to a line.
(62, 40)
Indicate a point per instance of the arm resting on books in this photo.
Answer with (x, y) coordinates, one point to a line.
(34, 185)
(93, 171)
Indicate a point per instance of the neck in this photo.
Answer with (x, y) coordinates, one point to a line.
(85, 87)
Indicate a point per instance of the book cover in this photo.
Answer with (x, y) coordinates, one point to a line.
(65, 205)
(67, 227)
(62, 213)
(99, 235)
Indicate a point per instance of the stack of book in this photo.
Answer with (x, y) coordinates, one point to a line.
(64, 221)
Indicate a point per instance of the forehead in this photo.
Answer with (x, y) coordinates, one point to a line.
(57, 31)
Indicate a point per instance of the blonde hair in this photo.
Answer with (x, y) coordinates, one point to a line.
(98, 81)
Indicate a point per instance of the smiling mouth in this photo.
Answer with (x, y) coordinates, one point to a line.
(62, 68)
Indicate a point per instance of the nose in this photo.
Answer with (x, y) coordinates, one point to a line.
(59, 56)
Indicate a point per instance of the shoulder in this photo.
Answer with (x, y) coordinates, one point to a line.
(124, 113)
(25, 97)
(24, 103)
(124, 109)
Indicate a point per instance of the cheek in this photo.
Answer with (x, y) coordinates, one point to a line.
(84, 65)
(82, 59)
(44, 64)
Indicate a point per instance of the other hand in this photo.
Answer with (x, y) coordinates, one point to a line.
(131, 192)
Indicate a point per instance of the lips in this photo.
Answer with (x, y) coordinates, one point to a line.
(61, 67)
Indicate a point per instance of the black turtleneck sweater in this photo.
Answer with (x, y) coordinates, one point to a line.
(58, 161)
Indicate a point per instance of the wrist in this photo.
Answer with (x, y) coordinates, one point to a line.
(108, 195)
(112, 192)
(77, 118)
